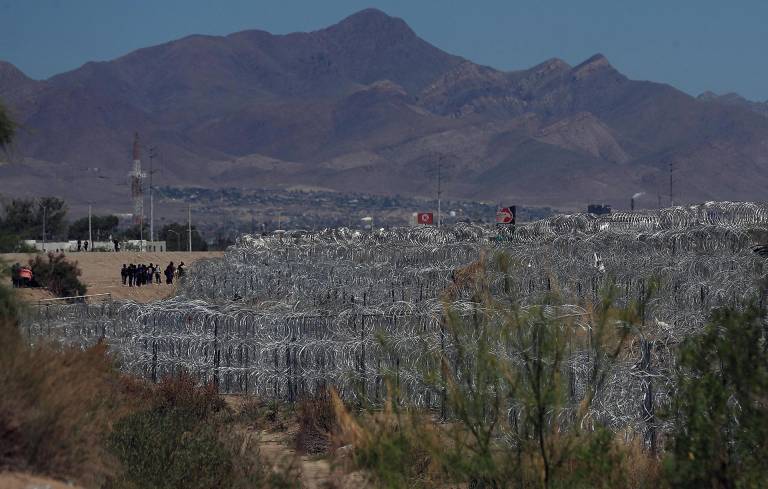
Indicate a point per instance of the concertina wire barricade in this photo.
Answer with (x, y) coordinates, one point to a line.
(283, 315)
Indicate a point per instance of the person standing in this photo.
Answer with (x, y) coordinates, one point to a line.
(85, 245)
(140, 274)
(124, 274)
(15, 280)
(79, 246)
(180, 271)
(157, 275)
(169, 271)
(131, 274)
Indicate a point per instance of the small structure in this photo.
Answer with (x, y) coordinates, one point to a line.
(71, 246)
(599, 209)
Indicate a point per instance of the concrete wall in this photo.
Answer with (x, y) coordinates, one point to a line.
(70, 246)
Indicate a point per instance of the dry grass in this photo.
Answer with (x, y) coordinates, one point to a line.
(57, 407)
(317, 424)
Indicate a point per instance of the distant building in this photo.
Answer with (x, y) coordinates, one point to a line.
(599, 209)
(71, 246)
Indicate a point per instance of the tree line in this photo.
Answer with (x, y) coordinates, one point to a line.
(33, 219)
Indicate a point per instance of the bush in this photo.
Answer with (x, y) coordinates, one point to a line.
(317, 424)
(170, 449)
(181, 393)
(8, 307)
(721, 407)
(184, 439)
(57, 275)
(510, 420)
(12, 243)
(56, 408)
(390, 445)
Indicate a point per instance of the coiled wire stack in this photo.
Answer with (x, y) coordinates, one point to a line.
(283, 315)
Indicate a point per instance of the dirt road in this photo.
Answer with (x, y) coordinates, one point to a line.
(101, 272)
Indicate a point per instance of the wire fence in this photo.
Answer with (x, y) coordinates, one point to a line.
(283, 315)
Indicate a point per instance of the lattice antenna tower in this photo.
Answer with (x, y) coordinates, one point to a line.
(137, 183)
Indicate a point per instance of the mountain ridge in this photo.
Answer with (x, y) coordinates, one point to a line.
(367, 105)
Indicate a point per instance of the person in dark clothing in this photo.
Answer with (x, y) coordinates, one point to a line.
(124, 273)
(131, 274)
(79, 245)
(15, 279)
(140, 274)
(150, 273)
(180, 271)
(169, 271)
(85, 245)
(117, 244)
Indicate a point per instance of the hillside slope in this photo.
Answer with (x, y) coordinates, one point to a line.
(367, 105)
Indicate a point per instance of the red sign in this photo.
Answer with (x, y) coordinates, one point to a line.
(505, 215)
(424, 218)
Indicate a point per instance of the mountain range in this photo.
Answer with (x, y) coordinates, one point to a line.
(366, 105)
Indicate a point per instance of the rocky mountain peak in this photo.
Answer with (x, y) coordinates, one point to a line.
(552, 65)
(14, 81)
(371, 22)
(594, 64)
(9, 73)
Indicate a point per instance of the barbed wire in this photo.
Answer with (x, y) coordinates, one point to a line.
(283, 315)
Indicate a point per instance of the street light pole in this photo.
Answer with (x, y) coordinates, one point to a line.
(189, 225)
(151, 197)
(44, 217)
(90, 233)
(439, 190)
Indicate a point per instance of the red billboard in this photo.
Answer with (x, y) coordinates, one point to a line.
(505, 215)
(424, 218)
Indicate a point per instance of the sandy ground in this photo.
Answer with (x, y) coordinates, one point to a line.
(19, 480)
(277, 451)
(101, 273)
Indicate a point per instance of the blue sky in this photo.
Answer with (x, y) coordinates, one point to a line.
(692, 45)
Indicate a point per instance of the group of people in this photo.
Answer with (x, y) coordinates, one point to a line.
(138, 275)
(21, 275)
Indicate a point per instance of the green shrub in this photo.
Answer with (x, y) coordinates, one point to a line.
(721, 407)
(184, 438)
(58, 275)
(510, 420)
(171, 449)
(12, 243)
(8, 306)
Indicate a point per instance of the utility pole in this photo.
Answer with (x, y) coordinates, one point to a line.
(189, 225)
(439, 190)
(44, 217)
(671, 194)
(152, 150)
(90, 233)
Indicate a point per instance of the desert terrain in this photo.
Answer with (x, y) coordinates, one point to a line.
(101, 273)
